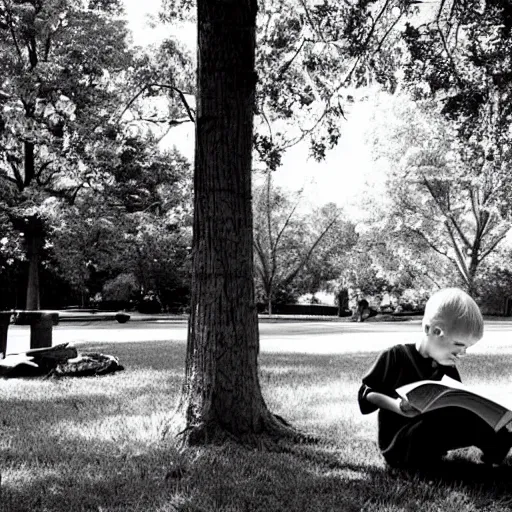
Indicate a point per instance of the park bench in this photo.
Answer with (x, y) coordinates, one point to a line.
(41, 325)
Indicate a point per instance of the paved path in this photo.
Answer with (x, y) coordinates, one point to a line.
(316, 337)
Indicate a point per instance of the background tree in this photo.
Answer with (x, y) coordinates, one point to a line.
(495, 283)
(329, 257)
(68, 107)
(87, 240)
(57, 91)
(138, 225)
(438, 197)
(287, 240)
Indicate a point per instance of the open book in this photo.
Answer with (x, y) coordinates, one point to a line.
(428, 395)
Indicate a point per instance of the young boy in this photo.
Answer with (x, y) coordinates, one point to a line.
(451, 324)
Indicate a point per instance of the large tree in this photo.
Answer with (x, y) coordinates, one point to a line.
(222, 395)
(437, 197)
(59, 61)
(71, 108)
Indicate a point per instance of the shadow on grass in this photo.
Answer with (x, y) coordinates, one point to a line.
(230, 478)
(95, 445)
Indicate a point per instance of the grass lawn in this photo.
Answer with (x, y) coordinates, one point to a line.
(95, 444)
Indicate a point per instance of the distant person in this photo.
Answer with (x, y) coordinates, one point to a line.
(342, 302)
(362, 309)
(150, 303)
(452, 323)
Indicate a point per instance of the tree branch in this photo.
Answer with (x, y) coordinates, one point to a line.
(374, 25)
(17, 174)
(287, 65)
(73, 196)
(43, 166)
(6, 177)
(310, 20)
(48, 42)
(494, 244)
(431, 244)
(280, 234)
(475, 207)
(303, 262)
(449, 55)
(13, 33)
(448, 215)
(163, 86)
(264, 271)
(390, 29)
(461, 264)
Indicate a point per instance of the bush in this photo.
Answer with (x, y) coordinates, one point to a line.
(122, 288)
(495, 292)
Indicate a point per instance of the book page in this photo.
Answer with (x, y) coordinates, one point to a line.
(503, 399)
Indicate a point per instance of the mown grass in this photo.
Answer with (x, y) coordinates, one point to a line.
(95, 444)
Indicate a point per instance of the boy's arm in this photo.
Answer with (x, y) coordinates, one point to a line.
(398, 405)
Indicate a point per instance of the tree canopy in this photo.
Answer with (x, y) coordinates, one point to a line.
(72, 113)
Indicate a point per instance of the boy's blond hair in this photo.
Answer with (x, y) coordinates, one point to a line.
(457, 309)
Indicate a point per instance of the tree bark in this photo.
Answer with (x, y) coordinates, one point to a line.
(221, 394)
(34, 243)
(32, 227)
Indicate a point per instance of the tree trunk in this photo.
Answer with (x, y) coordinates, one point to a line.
(472, 272)
(34, 245)
(32, 227)
(221, 394)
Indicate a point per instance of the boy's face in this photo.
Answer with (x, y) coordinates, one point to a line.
(446, 347)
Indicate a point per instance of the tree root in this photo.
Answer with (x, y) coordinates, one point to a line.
(274, 434)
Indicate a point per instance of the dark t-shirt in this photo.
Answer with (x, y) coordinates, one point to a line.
(395, 367)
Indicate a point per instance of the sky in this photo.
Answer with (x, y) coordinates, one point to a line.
(340, 178)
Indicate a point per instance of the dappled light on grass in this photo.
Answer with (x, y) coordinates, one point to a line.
(95, 443)
(315, 392)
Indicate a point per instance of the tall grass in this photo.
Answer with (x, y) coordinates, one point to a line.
(95, 444)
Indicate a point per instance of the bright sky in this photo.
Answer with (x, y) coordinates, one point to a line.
(340, 178)
(137, 12)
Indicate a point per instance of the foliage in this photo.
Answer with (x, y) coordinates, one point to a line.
(11, 244)
(158, 255)
(72, 107)
(87, 241)
(495, 283)
(312, 57)
(437, 200)
(140, 225)
(122, 288)
(328, 260)
(58, 95)
(462, 60)
(161, 85)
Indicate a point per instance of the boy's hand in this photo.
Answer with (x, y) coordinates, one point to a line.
(406, 409)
